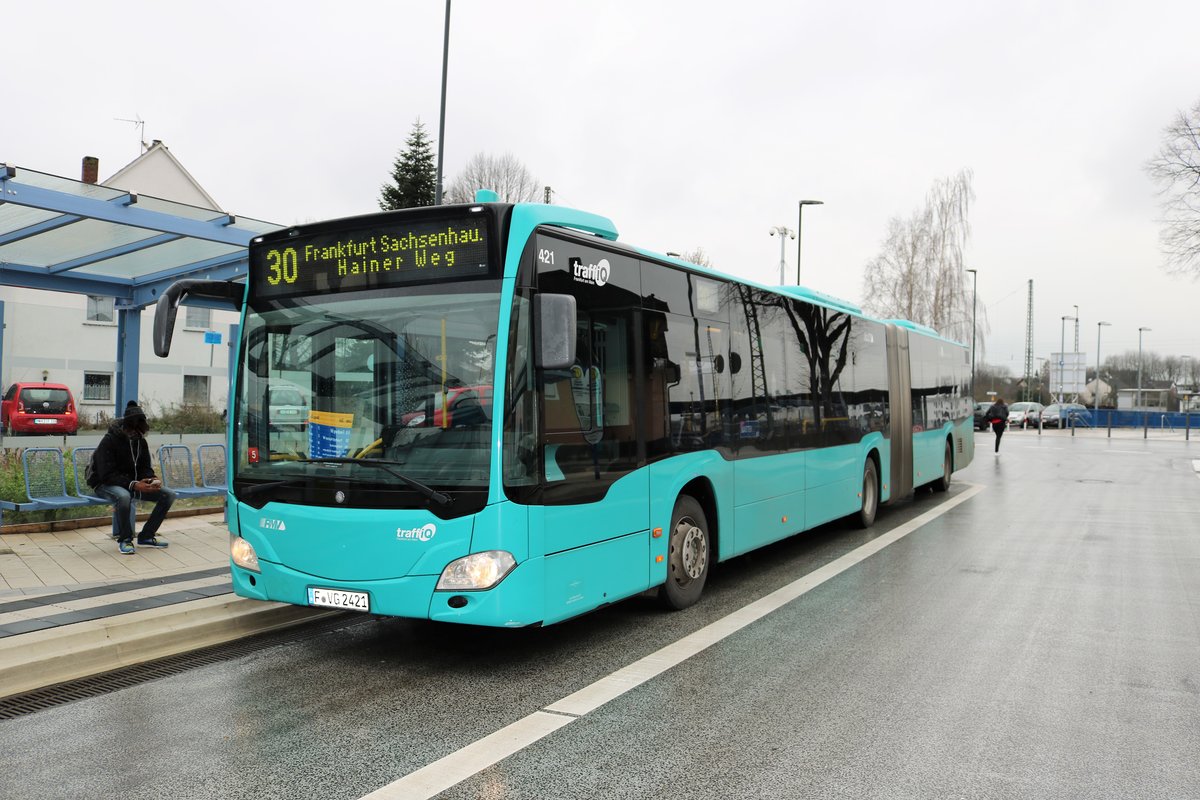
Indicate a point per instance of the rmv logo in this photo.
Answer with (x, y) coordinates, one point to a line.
(272, 524)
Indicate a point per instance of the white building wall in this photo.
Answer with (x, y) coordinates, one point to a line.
(47, 336)
(48, 333)
(157, 173)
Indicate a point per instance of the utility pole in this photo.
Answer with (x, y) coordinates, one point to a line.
(974, 296)
(784, 232)
(1029, 345)
(1062, 364)
(1076, 329)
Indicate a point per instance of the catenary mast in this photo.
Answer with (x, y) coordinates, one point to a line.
(1027, 394)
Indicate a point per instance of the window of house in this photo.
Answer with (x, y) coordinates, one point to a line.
(198, 318)
(97, 386)
(195, 389)
(100, 309)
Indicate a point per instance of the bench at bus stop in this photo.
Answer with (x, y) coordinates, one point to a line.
(45, 476)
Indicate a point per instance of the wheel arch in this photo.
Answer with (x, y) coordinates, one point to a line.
(873, 455)
(701, 489)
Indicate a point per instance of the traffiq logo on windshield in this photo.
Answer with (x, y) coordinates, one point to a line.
(594, 274)
(422, 534)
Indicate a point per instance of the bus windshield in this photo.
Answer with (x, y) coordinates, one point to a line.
(402, 375)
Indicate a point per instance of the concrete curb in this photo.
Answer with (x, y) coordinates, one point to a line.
(42, 658)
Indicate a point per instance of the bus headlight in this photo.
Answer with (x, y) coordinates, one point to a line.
(476, 571)
(242, 553)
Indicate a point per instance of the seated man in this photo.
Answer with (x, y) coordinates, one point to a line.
(122, 467)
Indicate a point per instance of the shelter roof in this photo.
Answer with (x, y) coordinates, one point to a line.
(65, 235)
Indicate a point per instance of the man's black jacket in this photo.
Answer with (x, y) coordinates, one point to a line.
(121, 459)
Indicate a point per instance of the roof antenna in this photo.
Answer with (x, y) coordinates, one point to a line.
(140, 124)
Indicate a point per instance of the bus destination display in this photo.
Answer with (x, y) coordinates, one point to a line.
(367, 258)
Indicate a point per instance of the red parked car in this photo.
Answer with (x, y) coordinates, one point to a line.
(39, 408)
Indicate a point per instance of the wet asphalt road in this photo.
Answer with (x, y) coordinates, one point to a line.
(1040, 639)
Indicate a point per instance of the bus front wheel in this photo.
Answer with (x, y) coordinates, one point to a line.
(689, 555)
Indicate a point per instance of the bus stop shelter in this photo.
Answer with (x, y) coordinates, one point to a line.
(64, 235)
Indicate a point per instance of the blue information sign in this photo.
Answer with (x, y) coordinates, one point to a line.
(329, 434)
(212, 337)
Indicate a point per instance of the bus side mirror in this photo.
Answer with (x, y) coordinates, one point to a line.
(554, 318)
(219, 294)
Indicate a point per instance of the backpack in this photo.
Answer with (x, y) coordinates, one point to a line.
(90, 473)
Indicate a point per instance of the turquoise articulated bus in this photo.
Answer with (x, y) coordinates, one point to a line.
(508, 418)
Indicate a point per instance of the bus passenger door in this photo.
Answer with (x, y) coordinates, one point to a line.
(595, 498)
(590, 444)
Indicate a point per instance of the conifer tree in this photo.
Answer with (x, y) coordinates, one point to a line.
(413, 174)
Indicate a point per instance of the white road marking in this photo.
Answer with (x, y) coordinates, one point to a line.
(458, 766)
(434, 778)
(1196, 466)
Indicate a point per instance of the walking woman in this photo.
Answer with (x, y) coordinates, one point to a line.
(998, 414)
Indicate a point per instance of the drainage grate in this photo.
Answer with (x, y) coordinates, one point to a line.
(60, 694)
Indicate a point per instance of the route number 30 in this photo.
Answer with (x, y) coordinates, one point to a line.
(282, 266)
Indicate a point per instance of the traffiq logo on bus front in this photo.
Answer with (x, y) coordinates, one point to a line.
(594, 274)
(422, 534)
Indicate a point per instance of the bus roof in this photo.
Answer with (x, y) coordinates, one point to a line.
(528, 216)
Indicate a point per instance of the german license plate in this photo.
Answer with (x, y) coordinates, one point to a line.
(45, 422)
(339, 598)
(288, 411)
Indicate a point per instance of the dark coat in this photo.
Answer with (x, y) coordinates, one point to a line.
(121, 459)
(998, 411)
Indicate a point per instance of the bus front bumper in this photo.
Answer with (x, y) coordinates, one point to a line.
(515, 602)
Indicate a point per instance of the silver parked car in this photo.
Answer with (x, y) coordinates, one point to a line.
(1024, 413)
(288, 411)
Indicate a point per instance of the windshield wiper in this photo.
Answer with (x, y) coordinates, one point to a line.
(440, 498)
(250, 492)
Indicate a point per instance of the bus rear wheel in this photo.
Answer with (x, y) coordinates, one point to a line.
(870, 495)
(689, 555)
(943, 483)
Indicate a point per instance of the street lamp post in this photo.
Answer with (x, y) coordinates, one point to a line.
(784, 232)
(1096, 404)
(437, 189)
(799, 229)
(1062, 362)
(974, 296)
(1076, 329)
(1138, 402)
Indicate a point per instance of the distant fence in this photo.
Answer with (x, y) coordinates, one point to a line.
(92, 438)
(1135, 419)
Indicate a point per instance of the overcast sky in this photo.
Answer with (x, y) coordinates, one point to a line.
(689, 124)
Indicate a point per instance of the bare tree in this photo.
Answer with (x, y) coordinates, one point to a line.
(1176, 170)
(920, 272)
(697, 257)
(504, 175)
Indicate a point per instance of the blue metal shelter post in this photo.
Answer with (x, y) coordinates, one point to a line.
(129, 347)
